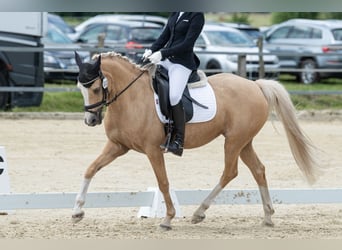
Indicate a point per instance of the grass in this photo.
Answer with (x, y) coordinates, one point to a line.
(332, 84)
(314, 102)
(255, 19)
(317, 102)
(73, 102)
(57, 101)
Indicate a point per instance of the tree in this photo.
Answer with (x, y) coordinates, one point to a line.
(278, 17)
(333, 15)
(240, 18)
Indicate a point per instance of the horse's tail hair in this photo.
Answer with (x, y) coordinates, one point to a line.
(301, 147)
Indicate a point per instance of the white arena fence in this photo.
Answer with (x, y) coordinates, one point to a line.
(152, 204)
(122, 49)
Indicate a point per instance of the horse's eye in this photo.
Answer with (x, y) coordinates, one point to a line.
(97, 90)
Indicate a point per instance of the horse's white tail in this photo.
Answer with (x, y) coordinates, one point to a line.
(301, 147)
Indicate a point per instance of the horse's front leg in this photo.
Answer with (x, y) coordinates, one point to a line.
(156, 158)
(109, 153)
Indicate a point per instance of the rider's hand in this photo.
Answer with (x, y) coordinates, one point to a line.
(147, 53)
(155, 57)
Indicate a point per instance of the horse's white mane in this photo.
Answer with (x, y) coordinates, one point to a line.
(113, 54)
(151, 68)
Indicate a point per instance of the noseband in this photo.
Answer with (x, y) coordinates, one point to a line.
(104, 85)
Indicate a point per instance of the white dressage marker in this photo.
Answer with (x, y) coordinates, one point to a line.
(157, 208)
(4, 177)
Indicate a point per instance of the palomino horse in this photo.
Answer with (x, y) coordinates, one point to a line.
(131, 122)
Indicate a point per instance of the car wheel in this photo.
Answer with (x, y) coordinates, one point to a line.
(4, 96)
(214, 66)
(308, 75)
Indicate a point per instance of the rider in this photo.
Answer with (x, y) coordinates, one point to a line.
(174, 51)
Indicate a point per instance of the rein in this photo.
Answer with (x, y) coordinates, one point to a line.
(104, 84)
(122, 91)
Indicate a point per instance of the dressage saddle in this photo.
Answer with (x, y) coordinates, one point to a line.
(161, 88)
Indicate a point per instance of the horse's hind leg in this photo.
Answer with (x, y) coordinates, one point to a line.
(109, 153)
(249, 157)
(229, 173)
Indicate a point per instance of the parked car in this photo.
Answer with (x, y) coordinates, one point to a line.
(252, 32)
(218, 48)
(307, 45)
(62, 25)
(58, 63)
(112, 18)
(129, 38)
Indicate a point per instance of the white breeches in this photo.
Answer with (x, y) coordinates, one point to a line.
(178, 78)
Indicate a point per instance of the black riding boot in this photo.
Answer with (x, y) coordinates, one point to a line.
(177, 142)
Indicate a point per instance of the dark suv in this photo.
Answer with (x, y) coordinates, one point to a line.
(308, 45)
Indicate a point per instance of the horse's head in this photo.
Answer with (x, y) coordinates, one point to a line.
(93, 86)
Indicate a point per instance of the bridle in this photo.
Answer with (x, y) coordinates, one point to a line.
(104, 84)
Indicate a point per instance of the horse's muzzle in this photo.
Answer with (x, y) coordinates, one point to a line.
(93, 118)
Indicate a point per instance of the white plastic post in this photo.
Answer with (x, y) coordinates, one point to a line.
(4, 177)
(158, 209)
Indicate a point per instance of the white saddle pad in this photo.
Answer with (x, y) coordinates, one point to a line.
(204, 95)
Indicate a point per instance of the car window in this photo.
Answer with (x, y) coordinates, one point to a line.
(115, 32)
(304, 32)
(299, 32)
(53, 35)
(91, 35)
(252, 33)
(200, 41)
(337, 33)
(316, 33)
(145, 34)
(223, 38)
(59, 22)
(280, 33)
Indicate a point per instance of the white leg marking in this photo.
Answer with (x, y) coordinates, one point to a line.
(267, 205)
(80, 199)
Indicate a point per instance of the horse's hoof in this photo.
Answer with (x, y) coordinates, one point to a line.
(268, 223)
(165, 227)
(77, 217)
(196, 218)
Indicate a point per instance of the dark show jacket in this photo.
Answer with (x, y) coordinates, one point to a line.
(178, 38)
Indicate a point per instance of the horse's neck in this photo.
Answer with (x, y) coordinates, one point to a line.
(124, 75)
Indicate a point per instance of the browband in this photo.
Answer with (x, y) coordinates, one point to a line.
(89, 83)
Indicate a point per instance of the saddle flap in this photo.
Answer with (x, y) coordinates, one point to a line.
(161, 88)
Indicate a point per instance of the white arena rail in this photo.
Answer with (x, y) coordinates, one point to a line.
(153, 204)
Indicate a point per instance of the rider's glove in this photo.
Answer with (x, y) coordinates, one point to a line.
(147, 53)
(155, 57)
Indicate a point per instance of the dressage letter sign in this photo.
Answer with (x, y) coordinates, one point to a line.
(4, 178)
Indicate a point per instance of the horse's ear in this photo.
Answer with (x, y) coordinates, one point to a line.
(78, 59)
(98, 63)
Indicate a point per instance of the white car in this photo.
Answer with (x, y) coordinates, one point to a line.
(112, 18)
(309, 45)
(218, 48)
